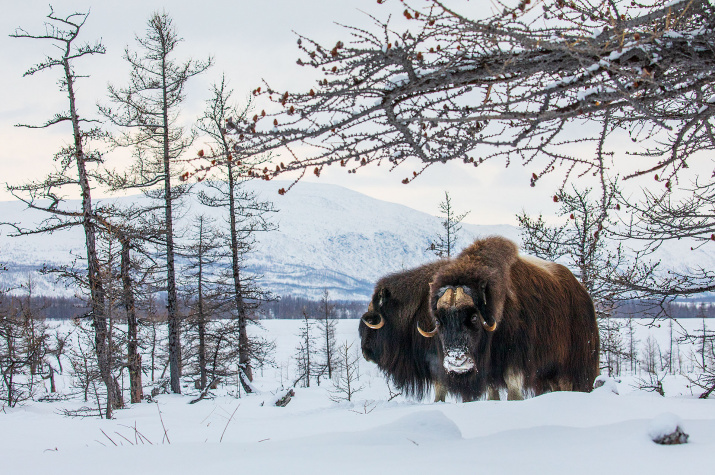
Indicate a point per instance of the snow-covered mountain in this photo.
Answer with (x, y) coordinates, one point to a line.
(329, 237)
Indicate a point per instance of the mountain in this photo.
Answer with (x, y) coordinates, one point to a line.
(329, 237)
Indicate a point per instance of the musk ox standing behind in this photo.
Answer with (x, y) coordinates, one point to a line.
(505, 320)
(389, 336)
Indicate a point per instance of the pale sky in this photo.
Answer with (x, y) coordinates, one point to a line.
(250, 41)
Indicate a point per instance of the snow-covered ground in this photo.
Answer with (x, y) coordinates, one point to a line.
(601, 432)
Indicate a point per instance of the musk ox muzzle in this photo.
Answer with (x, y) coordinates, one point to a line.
(458, 361)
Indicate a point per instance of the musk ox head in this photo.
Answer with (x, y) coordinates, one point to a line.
(374, 337)
(388, 330)
(467, 301)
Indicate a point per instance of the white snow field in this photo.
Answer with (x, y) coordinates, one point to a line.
(557, 433)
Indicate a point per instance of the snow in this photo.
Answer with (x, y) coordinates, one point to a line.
(595, 433)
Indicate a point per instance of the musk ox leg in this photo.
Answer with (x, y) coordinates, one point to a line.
(514, 385)
(493, 393)
(440, 392)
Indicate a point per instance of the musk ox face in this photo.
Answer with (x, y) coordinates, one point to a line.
(378, 327)
(464, 326)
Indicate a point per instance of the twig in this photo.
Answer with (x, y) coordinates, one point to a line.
(166, 435)
(138, 436)
(110, 439)
(120, 435)
(229, 421)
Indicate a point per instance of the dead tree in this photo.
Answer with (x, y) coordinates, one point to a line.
(441, 86)
(326, 329)
(445, 245)
(148, 111)
(553, 85)
(612, 274)
(62, 33)
(346, 385)
(203, 300)
(247, 214)
(305, 365)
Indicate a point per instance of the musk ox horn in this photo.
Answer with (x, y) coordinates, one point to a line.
(428, 334)
(489, 328)
(375, 326)
(461, 299)
(447, 299)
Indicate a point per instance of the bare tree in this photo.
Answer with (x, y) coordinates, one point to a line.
(305, 366)
(553, 85)
(616, 278)
(148, 110)
(346, 385)
(704, 360)
(445, 245)
(326, 329)
(247, 214)
(443, 86)
(203, 292)
(62, 32)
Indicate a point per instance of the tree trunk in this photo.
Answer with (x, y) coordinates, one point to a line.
(244, 352)
(99, 321)
(133, 356)
(174, 322)
(201, 315)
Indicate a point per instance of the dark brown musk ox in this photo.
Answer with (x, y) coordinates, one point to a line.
(389, 332)
(510, 321)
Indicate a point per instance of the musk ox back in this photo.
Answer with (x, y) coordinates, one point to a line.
(389, 335)
(505, 320)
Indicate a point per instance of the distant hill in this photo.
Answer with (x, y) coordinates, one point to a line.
(329, 237)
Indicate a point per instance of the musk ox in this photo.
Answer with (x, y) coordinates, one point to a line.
(505, 320)
(389, 332)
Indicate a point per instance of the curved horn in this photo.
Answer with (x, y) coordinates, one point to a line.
(489, 328)
(428, 334)
(374, 326)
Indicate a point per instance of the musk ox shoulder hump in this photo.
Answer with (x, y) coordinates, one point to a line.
(493, 251)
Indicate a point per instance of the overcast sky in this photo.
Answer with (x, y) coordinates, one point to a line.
(250, 41)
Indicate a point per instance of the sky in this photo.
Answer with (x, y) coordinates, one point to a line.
(249, 41)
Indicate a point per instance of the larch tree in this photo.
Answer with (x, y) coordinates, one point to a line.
(445, 244)
(134, 229)
(556, 86)
(77, 163)
(327, 325)
(148, 112)
(204, 294)
(246, 214)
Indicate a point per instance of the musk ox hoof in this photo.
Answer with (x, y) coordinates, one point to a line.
(458, 362)
(666, 429)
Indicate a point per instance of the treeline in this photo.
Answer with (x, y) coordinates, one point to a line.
(287, 307)
(291, 307)
(636, 309)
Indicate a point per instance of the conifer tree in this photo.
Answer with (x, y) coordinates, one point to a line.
(148, 111)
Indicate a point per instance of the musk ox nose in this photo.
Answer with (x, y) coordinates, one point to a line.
(458, 361)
